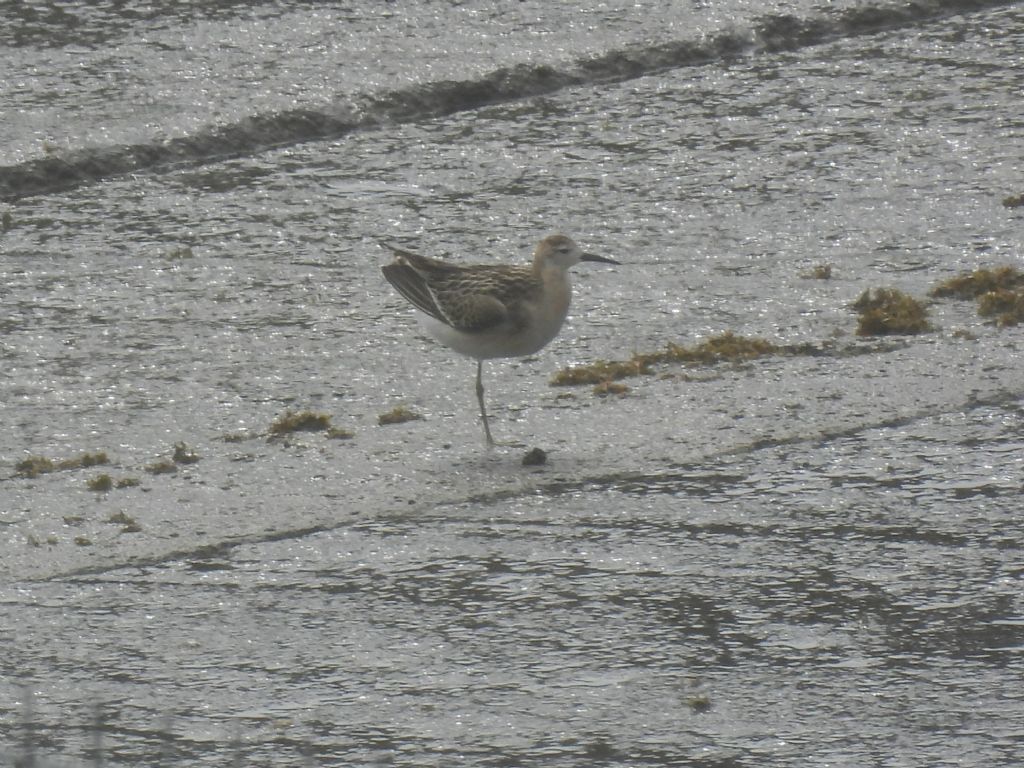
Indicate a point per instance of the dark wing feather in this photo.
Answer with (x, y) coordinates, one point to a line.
(471, 312)
(408, 282)
(471, 299)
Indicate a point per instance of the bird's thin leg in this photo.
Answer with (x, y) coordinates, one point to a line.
(480, 399)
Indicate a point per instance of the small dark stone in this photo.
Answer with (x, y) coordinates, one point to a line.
(535, 457)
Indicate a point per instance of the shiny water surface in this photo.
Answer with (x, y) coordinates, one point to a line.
(808, 558)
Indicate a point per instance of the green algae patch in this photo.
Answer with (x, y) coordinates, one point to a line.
(398, 415)
(888, 312)
(971, 285)
(339, 433)
(726, 347)
(34, 466)
(303, 421)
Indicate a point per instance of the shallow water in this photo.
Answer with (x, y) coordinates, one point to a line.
(800, 559)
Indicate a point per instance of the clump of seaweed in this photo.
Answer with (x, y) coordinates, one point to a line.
(104, 482)
(100, 483)
(86, 460)
(1014, 201)
(398, 415)
(184, 455)
(338, 433)
(302, 421)
(999, 292)
(1007, 307)
(162, 467)
(34, 466)
(606, 388)
(127, 522)
(700, 703)
(888, 311)
(181, 454)
(722, 348)
(726, 347)
(971, 285)
(818, 272)
(601, 371)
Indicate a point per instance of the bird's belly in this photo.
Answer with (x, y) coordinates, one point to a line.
(505, 340)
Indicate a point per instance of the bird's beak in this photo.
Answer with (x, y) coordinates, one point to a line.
(595, 257)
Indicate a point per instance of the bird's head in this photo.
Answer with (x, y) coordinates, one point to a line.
(561, 252)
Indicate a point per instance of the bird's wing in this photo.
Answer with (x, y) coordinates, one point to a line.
(447, 297)
(470, 312)
(410, 283)
(468, 299)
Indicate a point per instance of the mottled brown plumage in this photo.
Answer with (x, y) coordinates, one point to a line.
(486, 311)
(467, 298)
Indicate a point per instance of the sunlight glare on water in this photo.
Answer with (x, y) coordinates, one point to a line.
(811, 556)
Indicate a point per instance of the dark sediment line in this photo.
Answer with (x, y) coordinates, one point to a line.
(264, 131)
(253, 134)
